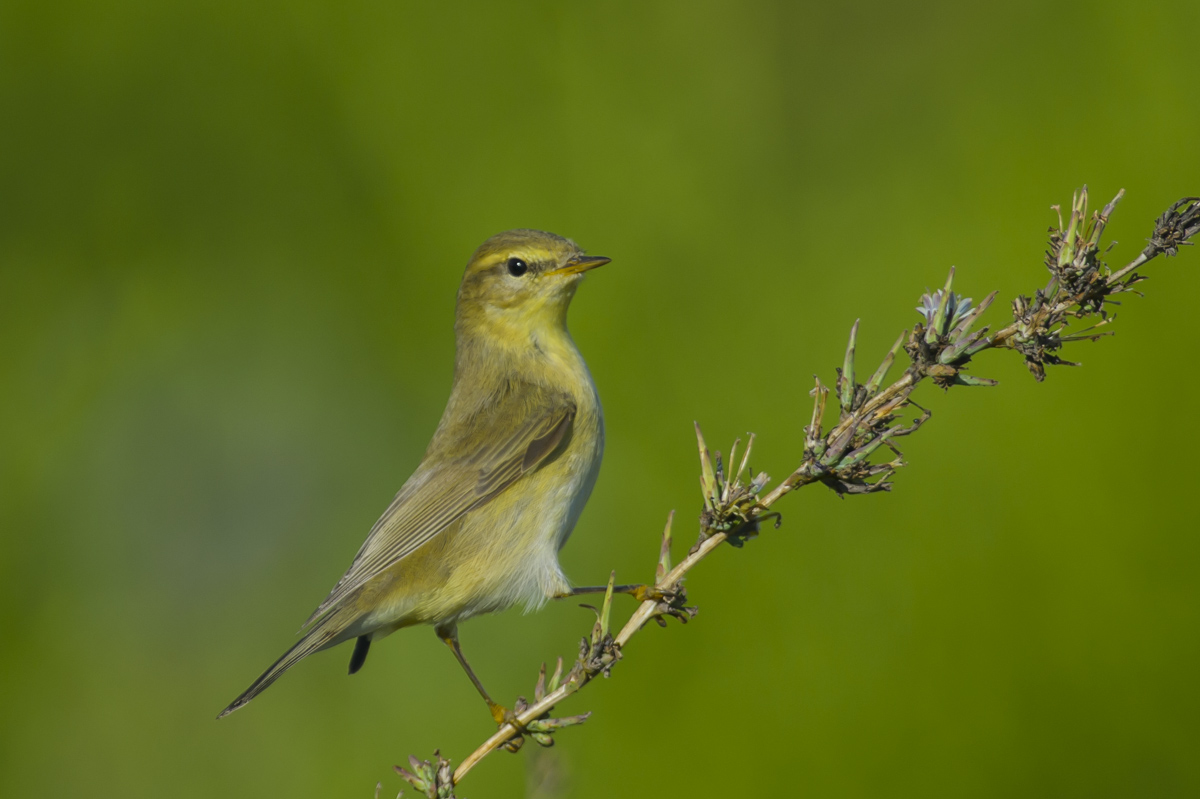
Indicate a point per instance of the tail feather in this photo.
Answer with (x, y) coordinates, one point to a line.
(321, 636)
(361, 647)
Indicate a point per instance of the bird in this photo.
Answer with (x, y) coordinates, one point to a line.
(478, 526)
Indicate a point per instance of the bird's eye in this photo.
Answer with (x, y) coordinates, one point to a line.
(517, 267)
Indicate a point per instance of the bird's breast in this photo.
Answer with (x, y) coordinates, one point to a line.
(552, 497)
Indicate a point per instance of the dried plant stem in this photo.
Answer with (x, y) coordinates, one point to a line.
(869, 421)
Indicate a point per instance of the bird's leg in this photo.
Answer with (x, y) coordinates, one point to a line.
(641, 592)
(500, 713)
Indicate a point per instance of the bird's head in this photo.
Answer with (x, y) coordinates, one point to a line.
(521, 281)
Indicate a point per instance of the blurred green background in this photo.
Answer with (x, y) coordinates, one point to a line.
(230, 237)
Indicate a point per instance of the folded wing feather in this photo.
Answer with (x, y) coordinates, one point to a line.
(440, 493)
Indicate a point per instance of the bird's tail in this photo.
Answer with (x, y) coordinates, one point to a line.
(325, 633)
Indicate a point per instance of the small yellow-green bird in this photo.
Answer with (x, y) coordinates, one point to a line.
(478, 526)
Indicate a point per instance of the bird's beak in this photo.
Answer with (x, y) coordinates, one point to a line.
(580, 263)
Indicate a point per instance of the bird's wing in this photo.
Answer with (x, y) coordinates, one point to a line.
(524, 431)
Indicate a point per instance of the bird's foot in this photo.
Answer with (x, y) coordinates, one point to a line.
(640, 592)
(643, 593)
(502, 715)
(670, 602)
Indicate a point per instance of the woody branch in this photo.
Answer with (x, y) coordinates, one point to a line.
(846, 457)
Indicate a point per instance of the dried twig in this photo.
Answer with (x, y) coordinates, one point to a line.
(845, 458)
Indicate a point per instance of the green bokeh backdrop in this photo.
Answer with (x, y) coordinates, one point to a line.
(230, 237)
